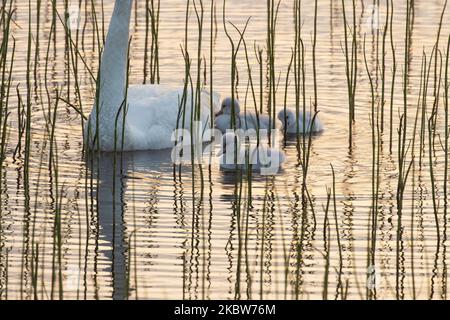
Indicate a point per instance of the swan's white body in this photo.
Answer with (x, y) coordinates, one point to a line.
(290, 121)
(153, 115)
(264, 159)
(152, 110)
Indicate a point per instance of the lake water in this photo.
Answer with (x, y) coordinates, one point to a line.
(152, 231)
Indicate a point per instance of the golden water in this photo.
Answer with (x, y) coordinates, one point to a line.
(143, 229)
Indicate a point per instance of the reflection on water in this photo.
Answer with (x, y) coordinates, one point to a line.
(134, 226)
(112, 188)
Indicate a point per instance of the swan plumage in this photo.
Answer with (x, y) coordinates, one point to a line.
(289, 121)
(152, 111)
(153, 115)
(246, 121)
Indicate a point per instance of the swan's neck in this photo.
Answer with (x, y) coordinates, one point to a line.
(113, 67)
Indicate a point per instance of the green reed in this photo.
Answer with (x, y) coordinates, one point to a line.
(58, 227)
(212, 38)
(424, 124)
(152, 23)
(94, 157)
(98, 39)
(35, 252)
(299, 69)
(196, 149)
(74, 58)
(47, 115)
(52, 141)
(403, 167)
(182, 103)
(119, 123)
(238, 212)
(304, 139)
(326, 244)
(26, 164)
(437, 79)
(286, 91)
(423, 110)
(97, 106)
(259, 57)
(5, 85)
(299, 247)
(272, 17)
(394, 71)
(314, 45)
(56, 190)
(28, 100)
(339, 287)
(351, 65)
(446, 150)
(6, 273)
(6, 78)
(419, 114)
(199, 12)
(263, 239)
(375, 170)
(234, 52)
(192, 99)
(250, 81)
(74, 45)
(431, 154)
(286, 256)
(438, 38)
(146, 38)
(36, 38)
(383, 66)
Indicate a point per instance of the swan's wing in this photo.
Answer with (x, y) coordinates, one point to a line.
(137, 94)
(154, 114)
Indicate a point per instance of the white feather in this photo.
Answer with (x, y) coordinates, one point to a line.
(290, 121)
(245, 121)
(152, 110)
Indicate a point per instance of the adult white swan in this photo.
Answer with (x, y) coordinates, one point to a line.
(152, 110)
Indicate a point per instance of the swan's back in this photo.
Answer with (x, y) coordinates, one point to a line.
(263, 122)
(247, 121)
(307, 119)
(153, 114)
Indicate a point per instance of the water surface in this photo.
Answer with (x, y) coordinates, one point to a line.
(150, 230)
